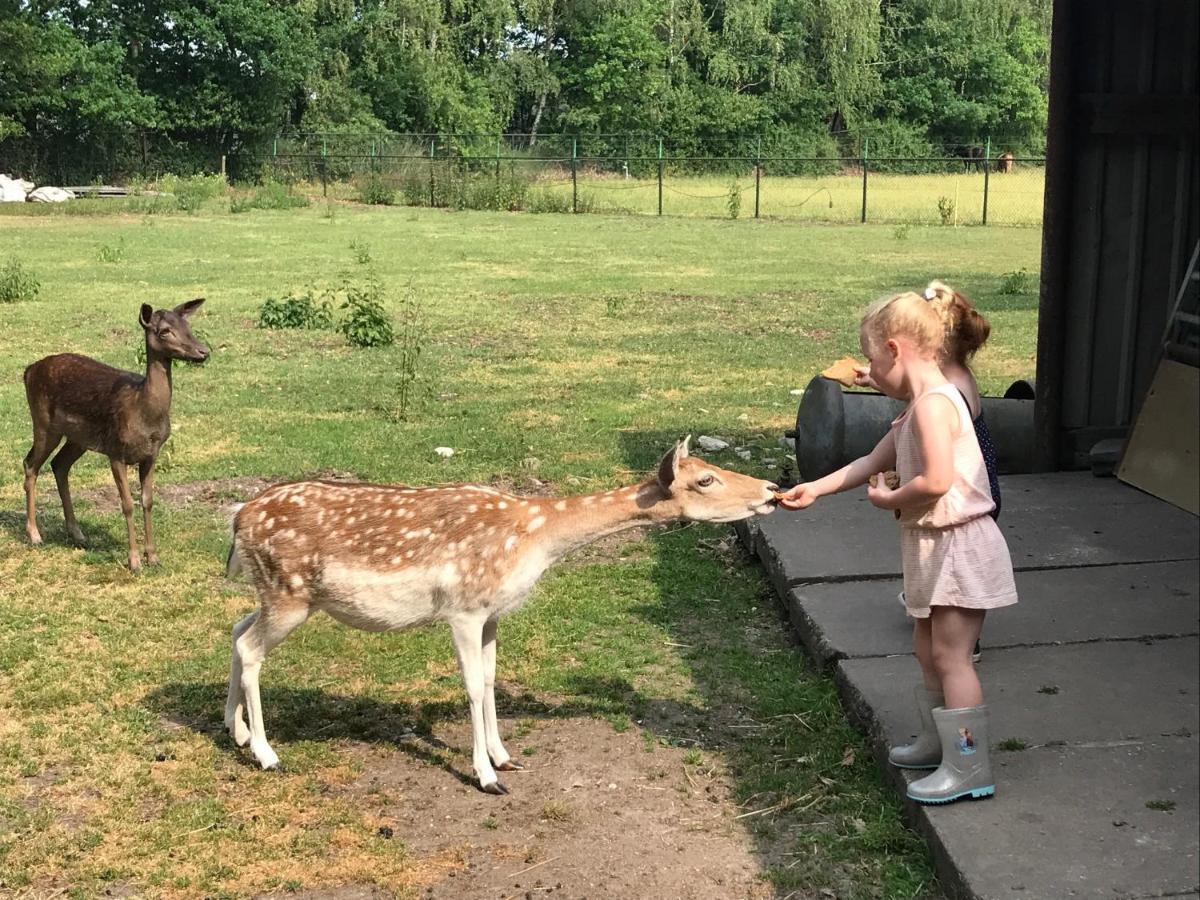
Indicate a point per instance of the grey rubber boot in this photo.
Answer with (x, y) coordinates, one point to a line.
(966, 770)
(926, 751)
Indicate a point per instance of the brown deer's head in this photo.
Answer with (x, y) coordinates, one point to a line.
(703, 492)
(168, 334)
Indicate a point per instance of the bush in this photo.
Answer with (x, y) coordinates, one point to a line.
(374, 189)
(193, 192)
(366, 323)
(544, 200)
(269, 195)
(301, 311)
(896, 146)
(17, 282)
(1018, 282)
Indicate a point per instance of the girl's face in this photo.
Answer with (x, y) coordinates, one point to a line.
(884, 358)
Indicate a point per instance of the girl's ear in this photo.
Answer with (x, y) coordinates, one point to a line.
(893, 348)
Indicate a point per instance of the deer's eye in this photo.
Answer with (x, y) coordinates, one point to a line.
(705, 481)
(166, 332)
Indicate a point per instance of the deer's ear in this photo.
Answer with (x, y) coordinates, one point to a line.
(668, 466)
(186, 309)
(145, 315)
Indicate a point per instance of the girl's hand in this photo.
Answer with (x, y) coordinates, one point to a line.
(880, 494)
(862, 377)
(799, 497)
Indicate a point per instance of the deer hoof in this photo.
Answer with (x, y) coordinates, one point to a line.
(35, 539)
(77, 537)
(510, 766)
(153, 560)
(495, 788)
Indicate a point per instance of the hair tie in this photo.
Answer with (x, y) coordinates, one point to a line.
(930, 293)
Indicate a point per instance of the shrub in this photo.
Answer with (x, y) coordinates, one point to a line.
(301, 311)
(366, 323)
(946, 210)
(112, 253)
(1018, 282)
(269, 195)
(544, 200)
(193, 192)
(413, 331)
(733, 202)
(375, 190)
(17, 282)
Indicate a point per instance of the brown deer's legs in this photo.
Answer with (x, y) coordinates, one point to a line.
(43, 445)
(61, 465)
(121, 477)
(146, 474)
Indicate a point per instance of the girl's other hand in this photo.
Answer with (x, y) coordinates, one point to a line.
(798, 497)
(880, 494)
(862, 377)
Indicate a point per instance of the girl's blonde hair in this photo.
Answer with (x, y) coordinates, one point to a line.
(908, 315)
(941, 322)
(966, 327)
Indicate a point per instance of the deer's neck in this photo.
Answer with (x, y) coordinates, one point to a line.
(572, 522)
(156, 389)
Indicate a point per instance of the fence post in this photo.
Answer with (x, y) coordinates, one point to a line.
(499, 138)
(574, 175)
(757, 171)
(432, 148)
(866, 146)
(987, 169)
(660, 174)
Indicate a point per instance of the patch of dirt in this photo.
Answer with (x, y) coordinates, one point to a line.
(595, 815)
(216, 492)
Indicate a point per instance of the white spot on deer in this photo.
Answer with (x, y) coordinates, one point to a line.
(510, 543)
(560, 505)
(262, 516)
(536, 523)
(501, 505)
(269, 523)
(296, 581)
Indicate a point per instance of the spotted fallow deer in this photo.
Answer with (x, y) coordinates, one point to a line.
(382, 558)
(125, 416)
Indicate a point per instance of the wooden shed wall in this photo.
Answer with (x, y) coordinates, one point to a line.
(1122, 211)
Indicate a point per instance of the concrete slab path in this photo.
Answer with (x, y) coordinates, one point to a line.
(1093, 682)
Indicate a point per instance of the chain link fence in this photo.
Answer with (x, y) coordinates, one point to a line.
(644, 175)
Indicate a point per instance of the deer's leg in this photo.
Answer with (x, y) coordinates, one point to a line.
(468, 644)
(146, 476)
(500, 758)
(274, 621)
(121, 477)
(43, 445)
(235, 723)
(61, 465)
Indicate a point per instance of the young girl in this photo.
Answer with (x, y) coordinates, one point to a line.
(966, 331)
(956, 564)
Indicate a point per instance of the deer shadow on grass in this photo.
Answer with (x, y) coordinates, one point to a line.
(98, 538)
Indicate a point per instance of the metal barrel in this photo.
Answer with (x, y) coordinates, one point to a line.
(835, 427)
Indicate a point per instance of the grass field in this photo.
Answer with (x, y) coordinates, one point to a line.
(561, 352)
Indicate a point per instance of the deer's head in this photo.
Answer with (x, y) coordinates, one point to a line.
(707, 493)
(168, 333)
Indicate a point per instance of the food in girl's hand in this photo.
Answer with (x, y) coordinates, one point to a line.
(779, 495)
(843, 371)
(890, 478)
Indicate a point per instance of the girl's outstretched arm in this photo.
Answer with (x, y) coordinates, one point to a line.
(935, 425)
(847, 477)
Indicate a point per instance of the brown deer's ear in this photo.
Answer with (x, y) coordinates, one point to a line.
(668, 466)
(145, 315)
(186, 309)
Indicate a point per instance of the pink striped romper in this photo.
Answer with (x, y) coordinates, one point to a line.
(952, 550)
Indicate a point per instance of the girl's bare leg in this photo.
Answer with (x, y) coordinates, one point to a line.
(923, 651)
(953, 633)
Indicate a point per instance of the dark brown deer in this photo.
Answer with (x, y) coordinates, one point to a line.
(125, 416)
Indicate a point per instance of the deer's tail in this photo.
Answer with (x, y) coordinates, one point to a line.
(233, 562)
